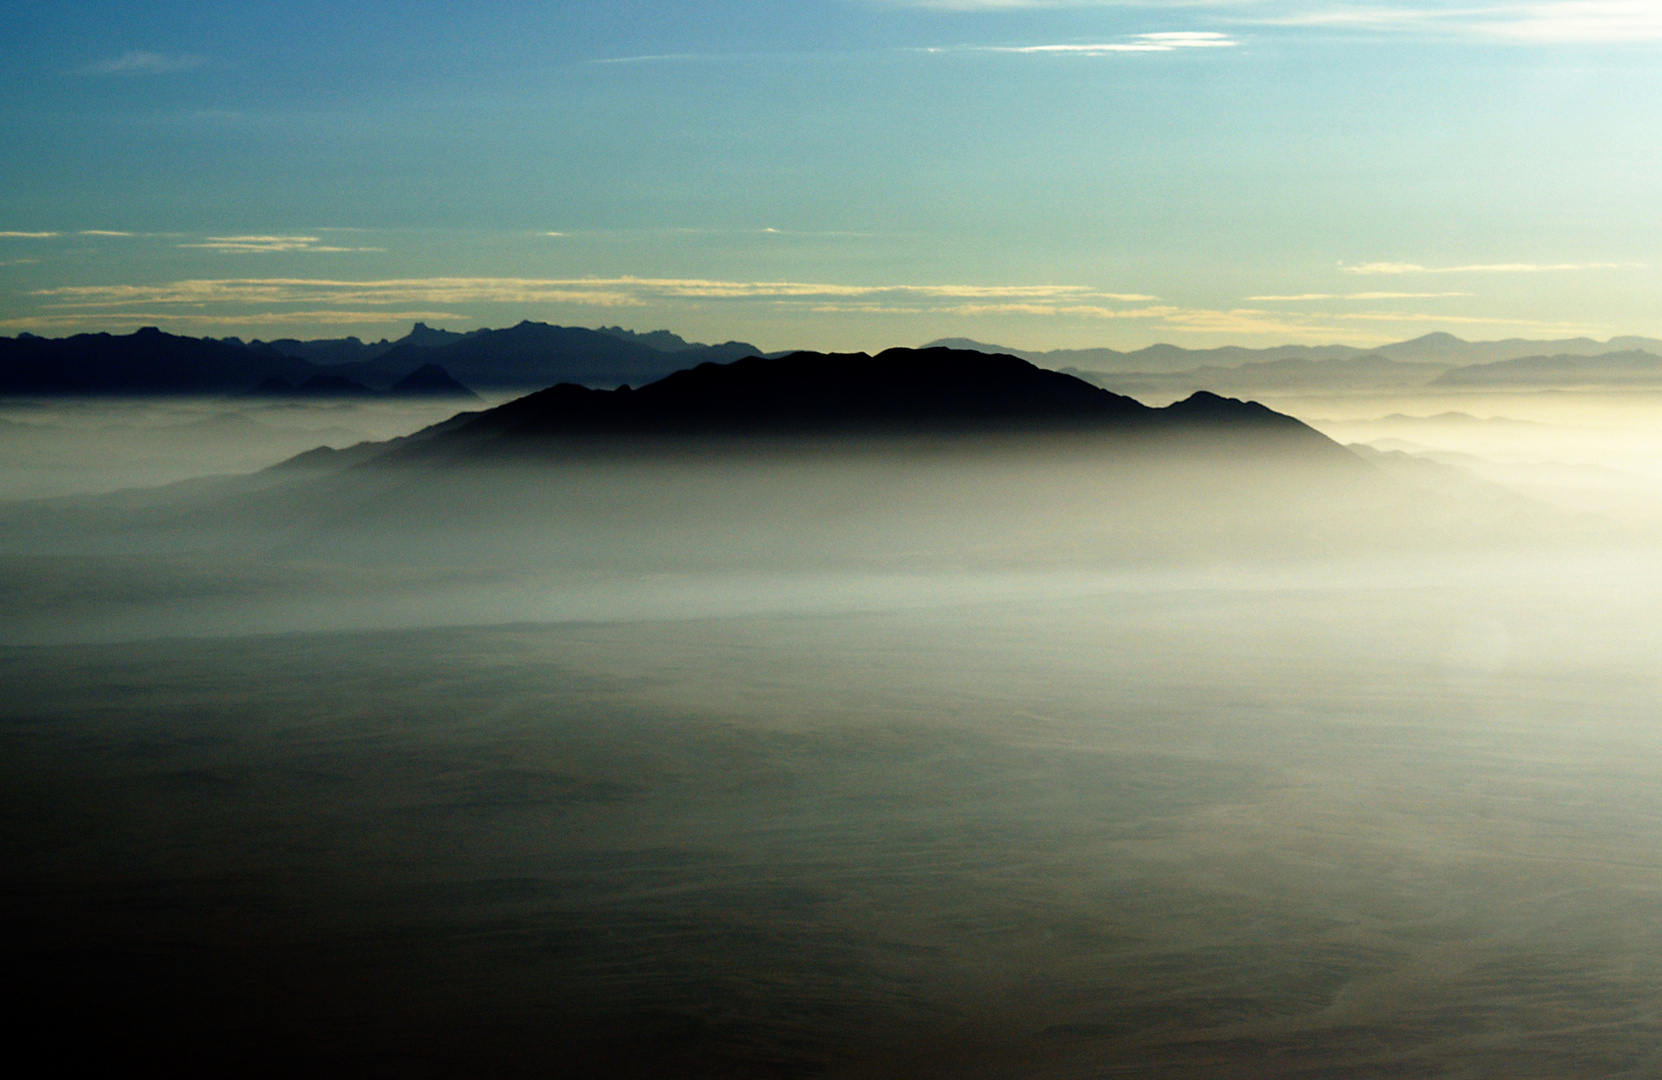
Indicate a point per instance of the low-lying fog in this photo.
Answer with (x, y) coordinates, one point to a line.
(1049, 764)
(75, 446)
(1593, 451)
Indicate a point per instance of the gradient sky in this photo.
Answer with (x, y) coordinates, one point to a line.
(837, 173)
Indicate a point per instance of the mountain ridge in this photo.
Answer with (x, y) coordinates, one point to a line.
(530, 355)
(842, 397)
(1631, 367)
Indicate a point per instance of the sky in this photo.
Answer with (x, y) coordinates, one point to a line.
(849, 174)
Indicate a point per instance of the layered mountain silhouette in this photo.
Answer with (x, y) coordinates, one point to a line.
(1154, 358)
(431, 380)
(524, 357)
(533, 355)
(147, 361)
(1435, 350)
(1367, 372)
(537, 355)
(1630, 367)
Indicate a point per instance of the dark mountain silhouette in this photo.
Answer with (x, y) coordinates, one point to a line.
(1629, 368)
(527, 356)
(900, 392)
(147, 361)
(326, 352)
(431, 380)
(426, 337)
(664, 341)
(912, 457)
(537, 355)
(351, 351)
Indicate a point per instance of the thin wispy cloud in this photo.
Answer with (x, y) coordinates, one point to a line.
(1480, 268)
(261, 245)
(1540, 22)
(1356, 296)
(302, 301)
(1463, 320)
(1523, 21)
(1585, 20)
(17, 235)
(140, 62)
(604, 292)
(1168, 41)
(977, 5)
(60, 321)
(649, 58)
(971, 6)
(103, 232)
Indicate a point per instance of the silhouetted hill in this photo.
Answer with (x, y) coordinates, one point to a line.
(431, 380)
(911, 457)
(1630, 368)
(900, 392)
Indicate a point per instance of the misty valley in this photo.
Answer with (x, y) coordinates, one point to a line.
(927, 714)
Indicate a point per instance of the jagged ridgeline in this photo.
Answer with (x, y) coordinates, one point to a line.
(527, 356)
(936, 397)
(434, 363)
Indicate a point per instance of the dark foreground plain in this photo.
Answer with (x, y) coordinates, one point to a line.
(1302, 828)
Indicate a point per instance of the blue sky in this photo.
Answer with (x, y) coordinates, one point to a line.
(837, 173)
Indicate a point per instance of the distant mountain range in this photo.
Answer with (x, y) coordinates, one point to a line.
(1436, 362)
(1439, 349)
(533, 356)
(524, 357)
(1369, 371)
(1632, 367)
(1153, 358)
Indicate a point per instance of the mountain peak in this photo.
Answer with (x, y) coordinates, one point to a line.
(431, 380)
(426, 337)
(897, 393)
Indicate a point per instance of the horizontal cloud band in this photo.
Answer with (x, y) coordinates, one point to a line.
(606, 292)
